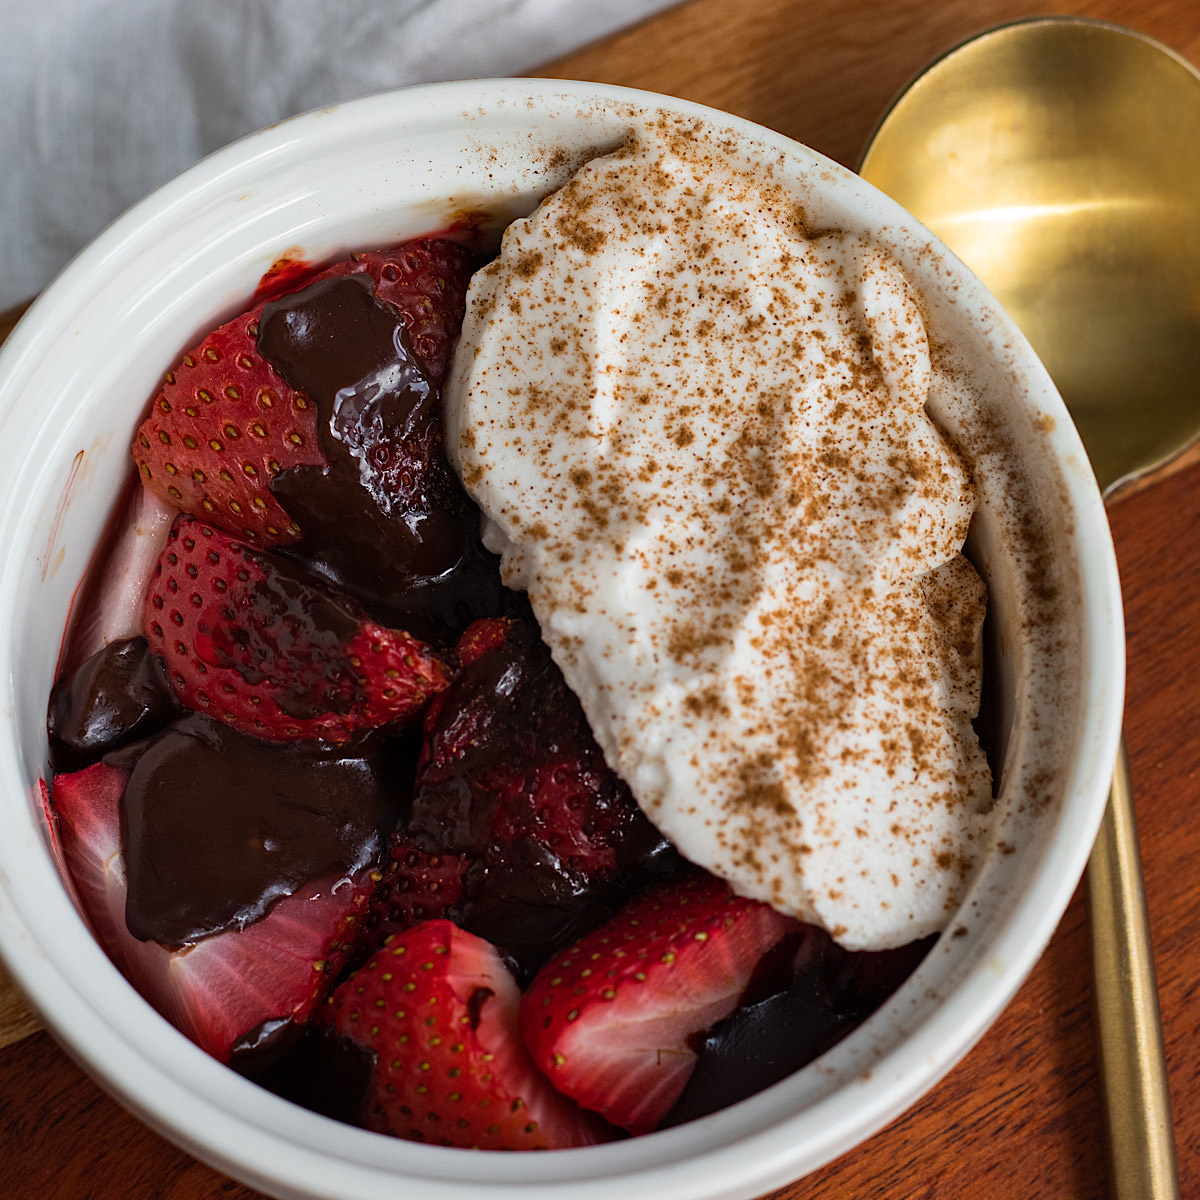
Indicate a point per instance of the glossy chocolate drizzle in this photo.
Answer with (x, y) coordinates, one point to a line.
(287, 630)
(806, 995)
(217, 826)
(385, 518)
(521, 894)
(117, 696)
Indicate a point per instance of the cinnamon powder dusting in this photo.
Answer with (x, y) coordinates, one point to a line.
(698, 434)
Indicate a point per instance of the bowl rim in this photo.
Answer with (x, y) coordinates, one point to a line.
(752, 1155)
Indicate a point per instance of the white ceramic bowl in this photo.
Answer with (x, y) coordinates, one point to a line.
(75, 377)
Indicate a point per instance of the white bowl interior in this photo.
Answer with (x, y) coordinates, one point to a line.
(74, 381)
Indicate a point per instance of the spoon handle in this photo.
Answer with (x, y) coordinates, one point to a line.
(1133, 1070)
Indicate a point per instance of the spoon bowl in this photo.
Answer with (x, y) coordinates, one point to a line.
(1058, 159)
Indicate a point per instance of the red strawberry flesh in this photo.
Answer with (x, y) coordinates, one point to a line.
(225, 423)
(221, 428)
(247, 639)
(610, 1021)
(287, 273)
(439, 1010)
(337, 442)
(109, 601)
(225, 987)
(217, 826)
(511, 776)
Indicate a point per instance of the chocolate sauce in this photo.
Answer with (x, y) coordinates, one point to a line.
(117, 696)
(313, 1066)
(298, 635)
(529, 904)
(862, 980)
(217, 826)
(475, 1002)
(385, 518)
(787, 1018)
(509, 716)
(760, 1044)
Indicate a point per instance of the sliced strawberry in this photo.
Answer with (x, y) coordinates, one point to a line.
(415, 886)
(481, 636)
(511, 776)
(226, 987)
(439, 1009)
(54, 836)
(247, 639)
(225, 423)
(610, 1020)
(222, 427)
(476, 640)
(508, 756)
(425, 281)
(109, 603)
(287, 273)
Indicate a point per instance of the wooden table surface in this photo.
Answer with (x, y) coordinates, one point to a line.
(1020, 1116)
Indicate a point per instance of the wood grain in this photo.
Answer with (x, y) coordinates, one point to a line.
(17, 1021)
(1020, 1116)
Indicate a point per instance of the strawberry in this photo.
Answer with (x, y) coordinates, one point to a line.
(414, 886)
(481, 636)
(511, 776)
(108, 606)
(477, 639)
(247, 639)
(286, 274)
(225, 423)
(439, 1010)
(610, 1021)
(223, 988)
(508, 755)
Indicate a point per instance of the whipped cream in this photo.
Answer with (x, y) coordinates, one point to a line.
(699, 440)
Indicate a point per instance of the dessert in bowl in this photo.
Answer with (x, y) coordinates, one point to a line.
(378, 173)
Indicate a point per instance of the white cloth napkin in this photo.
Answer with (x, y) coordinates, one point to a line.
(103, 100)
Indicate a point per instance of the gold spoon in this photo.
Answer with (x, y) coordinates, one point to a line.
(1060, 159)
